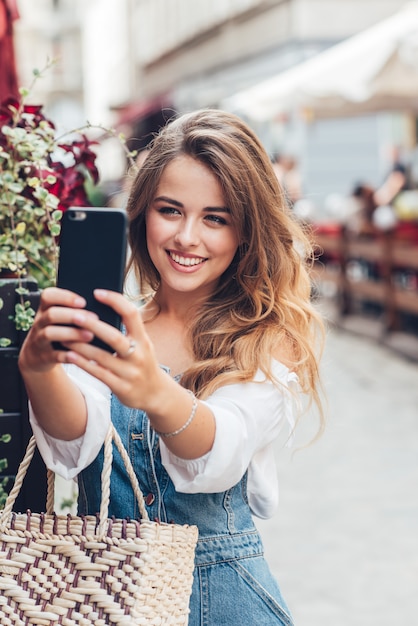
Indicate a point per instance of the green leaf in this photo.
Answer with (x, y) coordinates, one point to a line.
(8, 198)
(20, 229)
(41, 193)
(4, 342)
(7, 177)
(15, 187)
(24, 316)
(54, 229)
(53, 201)
(57, 215)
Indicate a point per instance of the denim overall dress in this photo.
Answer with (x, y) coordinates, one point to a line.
(232, 583)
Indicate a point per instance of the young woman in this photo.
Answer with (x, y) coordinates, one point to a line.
(204, 375)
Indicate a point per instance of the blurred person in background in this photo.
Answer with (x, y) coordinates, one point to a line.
(205, 375)
(292, 180)
(376, 207)
(385, 196)
(396, 180)
(360, 219)
(288, 174)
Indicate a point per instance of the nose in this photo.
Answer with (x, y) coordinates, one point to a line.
(187, 233)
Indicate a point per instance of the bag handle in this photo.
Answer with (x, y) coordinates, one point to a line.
(111, 436)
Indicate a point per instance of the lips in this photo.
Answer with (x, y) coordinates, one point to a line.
(185, 261)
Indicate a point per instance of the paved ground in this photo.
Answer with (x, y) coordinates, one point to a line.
(344, 544)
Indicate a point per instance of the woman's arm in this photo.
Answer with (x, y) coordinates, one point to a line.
(58, 404)
(69, 458)
(249, 417)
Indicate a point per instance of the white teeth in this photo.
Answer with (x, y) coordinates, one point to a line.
(181, 260)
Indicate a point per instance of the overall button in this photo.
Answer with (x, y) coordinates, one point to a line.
(150, 499)
(135, 436)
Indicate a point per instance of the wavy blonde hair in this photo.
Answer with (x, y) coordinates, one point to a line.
(262, 303)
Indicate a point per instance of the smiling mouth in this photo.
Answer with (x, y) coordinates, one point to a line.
(185, 261)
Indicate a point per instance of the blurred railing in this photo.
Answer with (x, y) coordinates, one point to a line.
(374, 274)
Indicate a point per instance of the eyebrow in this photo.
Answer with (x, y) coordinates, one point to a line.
(209, 209)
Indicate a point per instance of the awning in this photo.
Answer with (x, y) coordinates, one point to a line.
(374, 70)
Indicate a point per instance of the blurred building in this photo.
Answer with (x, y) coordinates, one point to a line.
(87, 48)
(45, 33)
(132, 63)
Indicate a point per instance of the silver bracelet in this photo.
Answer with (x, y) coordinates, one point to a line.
(186, 424)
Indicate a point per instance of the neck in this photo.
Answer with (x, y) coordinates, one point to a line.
(176, 306)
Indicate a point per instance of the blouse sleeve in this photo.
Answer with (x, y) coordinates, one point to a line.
(68, 458)
(249, 417)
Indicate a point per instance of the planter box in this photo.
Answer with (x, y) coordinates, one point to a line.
(14, 419)
(10, 394)
(10, 299)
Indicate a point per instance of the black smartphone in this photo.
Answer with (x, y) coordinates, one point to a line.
(92, 255)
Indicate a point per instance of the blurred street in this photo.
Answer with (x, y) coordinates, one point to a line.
(344, 543)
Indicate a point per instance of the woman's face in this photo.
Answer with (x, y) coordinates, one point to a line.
(190, 236)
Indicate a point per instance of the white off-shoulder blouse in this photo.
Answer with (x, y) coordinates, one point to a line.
(249, 417)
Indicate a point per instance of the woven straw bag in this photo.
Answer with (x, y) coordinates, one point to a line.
(70, 570)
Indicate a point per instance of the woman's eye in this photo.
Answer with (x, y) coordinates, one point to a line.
(216, 219)
(168, 210)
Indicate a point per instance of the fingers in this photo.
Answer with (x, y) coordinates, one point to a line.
(54, 323)
(122, 376)
(62, 318)
(53, 296)
(131, 349)
(129, 370)
(59, 323)
(128, 311)
(124, 349)
(130, 378)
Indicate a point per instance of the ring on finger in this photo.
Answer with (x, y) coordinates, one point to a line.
(130, 350)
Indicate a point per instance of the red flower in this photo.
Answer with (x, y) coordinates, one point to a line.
(10, 106)
(69, 186)
(83, 155)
